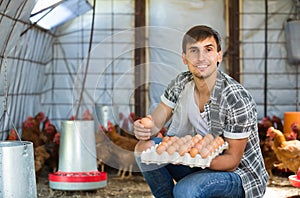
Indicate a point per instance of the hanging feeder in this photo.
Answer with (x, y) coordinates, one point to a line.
(17, 176)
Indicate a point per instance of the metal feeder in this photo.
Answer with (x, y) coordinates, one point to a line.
(17, 176)
(77, 168)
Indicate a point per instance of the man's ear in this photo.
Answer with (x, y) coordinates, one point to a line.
(184, 59)
(220, 56)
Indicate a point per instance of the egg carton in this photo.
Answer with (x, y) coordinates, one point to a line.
(150, 156)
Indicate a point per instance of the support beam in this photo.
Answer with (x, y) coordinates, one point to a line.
(234, 39)
(140, 92)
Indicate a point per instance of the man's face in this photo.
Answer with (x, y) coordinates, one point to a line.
(202, 57)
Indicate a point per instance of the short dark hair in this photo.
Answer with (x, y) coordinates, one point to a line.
(199, 33)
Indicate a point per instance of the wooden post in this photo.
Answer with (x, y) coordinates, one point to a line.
(140, 58)
(234, 39)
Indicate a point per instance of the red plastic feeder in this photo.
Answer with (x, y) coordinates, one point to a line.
(294, 181)
(77, 180)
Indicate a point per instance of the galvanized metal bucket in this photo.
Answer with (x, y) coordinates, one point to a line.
(107, 113)
(77, 152)
(17, 177)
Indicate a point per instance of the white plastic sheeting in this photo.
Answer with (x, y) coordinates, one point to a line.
(282, 84)
(169, 20)
(22, 64)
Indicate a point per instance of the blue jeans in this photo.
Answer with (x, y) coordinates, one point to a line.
(190, 182)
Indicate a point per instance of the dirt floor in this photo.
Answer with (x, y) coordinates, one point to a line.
(135, 187)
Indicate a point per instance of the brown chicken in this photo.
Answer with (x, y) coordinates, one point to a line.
(126, 143)
(296, 129)
(12, 135)
(113, 153)
(31, 132)
(287, 152)
(52, 145)
(40, 156)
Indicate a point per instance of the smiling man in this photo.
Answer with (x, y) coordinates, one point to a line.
(204, 100)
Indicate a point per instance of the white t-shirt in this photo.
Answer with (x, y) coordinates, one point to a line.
(187, 118)
(198, 119)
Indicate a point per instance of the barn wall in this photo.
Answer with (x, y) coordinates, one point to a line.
(110, 68)
(23, 61)
(282, 85)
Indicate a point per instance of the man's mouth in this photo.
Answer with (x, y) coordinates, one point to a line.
(202, 66)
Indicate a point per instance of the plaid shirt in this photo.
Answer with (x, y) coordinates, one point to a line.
(232, 114)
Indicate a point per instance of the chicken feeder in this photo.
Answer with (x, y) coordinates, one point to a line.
(107, 113)
(17, 177)
(77, 169)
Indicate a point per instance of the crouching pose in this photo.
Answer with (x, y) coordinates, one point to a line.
(204, 100)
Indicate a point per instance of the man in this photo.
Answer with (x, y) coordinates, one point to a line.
(200, 101)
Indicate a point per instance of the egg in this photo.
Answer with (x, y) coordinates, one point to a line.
(165, 139)
(198, 136)
(195, 140)
(171, 150)
(204, 153)
(160, 149)
(210, 137)
(193, 152)
(183, 149)
(179, 141)
(187, 137)
(176, 145)
(173, 138)
(219, 141)
(165, 144)
(198, 146)
(147, 122)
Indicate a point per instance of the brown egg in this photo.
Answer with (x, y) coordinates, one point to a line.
(183, 149)
(195, 140)
(198, 146)
(176, 145)
(160, 149)
(165, 144)
(209, 136)
(198, 136)
(173, 138)
(219, 141)
(193, 152)
(180, 141)
(165, 139)
(187, 137)
(147, 122)
(171, 150)
(204, 153)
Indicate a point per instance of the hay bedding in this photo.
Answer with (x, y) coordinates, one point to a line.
(136, 187)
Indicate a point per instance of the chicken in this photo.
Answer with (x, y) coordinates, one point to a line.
(40, 156)
(49, 131)
(287, 152)
(296, 130)
(52, 145)
(53, 159)
(121, 141)
(116, 150)
(87, 115)
(103, 150)
(31, 132)
(269, 156)
(277, 123)
(13, 135)
(263, 126)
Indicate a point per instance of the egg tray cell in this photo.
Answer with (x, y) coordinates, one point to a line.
(150, 156)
